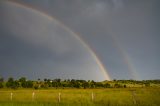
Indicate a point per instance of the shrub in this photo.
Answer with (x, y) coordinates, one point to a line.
(36, 86)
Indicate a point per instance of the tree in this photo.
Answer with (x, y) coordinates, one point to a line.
(85, 85)
(12, 84)
(1, 79)
(107, 85)
(36, 86)
(23, 83)
(1, 82)
(15, 85)
(147, 84)
(76, 84)
(1, 85)
(22, 79)
(116, 85)
(44, 85)
(45, 79)
(92, 84)
(114, 80)
(29, 84)
(99, 84)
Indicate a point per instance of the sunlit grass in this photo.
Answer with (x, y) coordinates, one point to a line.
(82, 97)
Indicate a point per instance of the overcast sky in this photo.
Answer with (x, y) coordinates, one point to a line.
(124, 34)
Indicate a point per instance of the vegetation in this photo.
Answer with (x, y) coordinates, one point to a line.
(58, 83)
(57, 92)
(81, 97)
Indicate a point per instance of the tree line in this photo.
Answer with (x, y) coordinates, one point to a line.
(70, 83)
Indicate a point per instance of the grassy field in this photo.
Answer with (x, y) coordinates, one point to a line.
(81, 97)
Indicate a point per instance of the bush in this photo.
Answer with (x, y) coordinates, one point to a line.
(36, 86)
(116, 85)
(107, 85)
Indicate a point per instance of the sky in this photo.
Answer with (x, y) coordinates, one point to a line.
(80, 39)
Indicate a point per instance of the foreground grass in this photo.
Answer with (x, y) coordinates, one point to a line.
(82, 97)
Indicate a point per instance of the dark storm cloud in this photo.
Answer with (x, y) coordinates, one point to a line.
(113, 29)
(35, 46)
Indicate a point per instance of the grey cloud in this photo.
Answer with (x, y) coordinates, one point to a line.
(133, 23)
(38, 47)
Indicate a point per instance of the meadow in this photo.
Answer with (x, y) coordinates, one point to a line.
(81, 97)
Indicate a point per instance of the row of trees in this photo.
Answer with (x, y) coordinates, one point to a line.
(137, 81)
(11, 83)
(58, 83)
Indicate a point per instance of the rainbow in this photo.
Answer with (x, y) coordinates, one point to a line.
(77, 36)
(126, 58)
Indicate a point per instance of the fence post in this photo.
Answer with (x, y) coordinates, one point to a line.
(134, 98)
(59, 97)
(92, 96)
(33, 94)
(11, 96)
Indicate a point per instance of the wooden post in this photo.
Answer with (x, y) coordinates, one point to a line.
(33, 94)
(59, 97)
(92, 96)
(11, 96)
(134, 97)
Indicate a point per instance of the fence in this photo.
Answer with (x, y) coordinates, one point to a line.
(45, 96)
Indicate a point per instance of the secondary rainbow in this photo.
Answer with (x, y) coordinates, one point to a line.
(77, 36)
(126, 57)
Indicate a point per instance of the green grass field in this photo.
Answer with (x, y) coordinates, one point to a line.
(81, 97)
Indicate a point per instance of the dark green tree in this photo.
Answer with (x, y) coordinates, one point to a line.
(36, 86)
(29, 84)
(107, 85)
(1, 79)
(1, 85)
(22, 79)
(85, 85)
(12, 84)
(23, 83)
